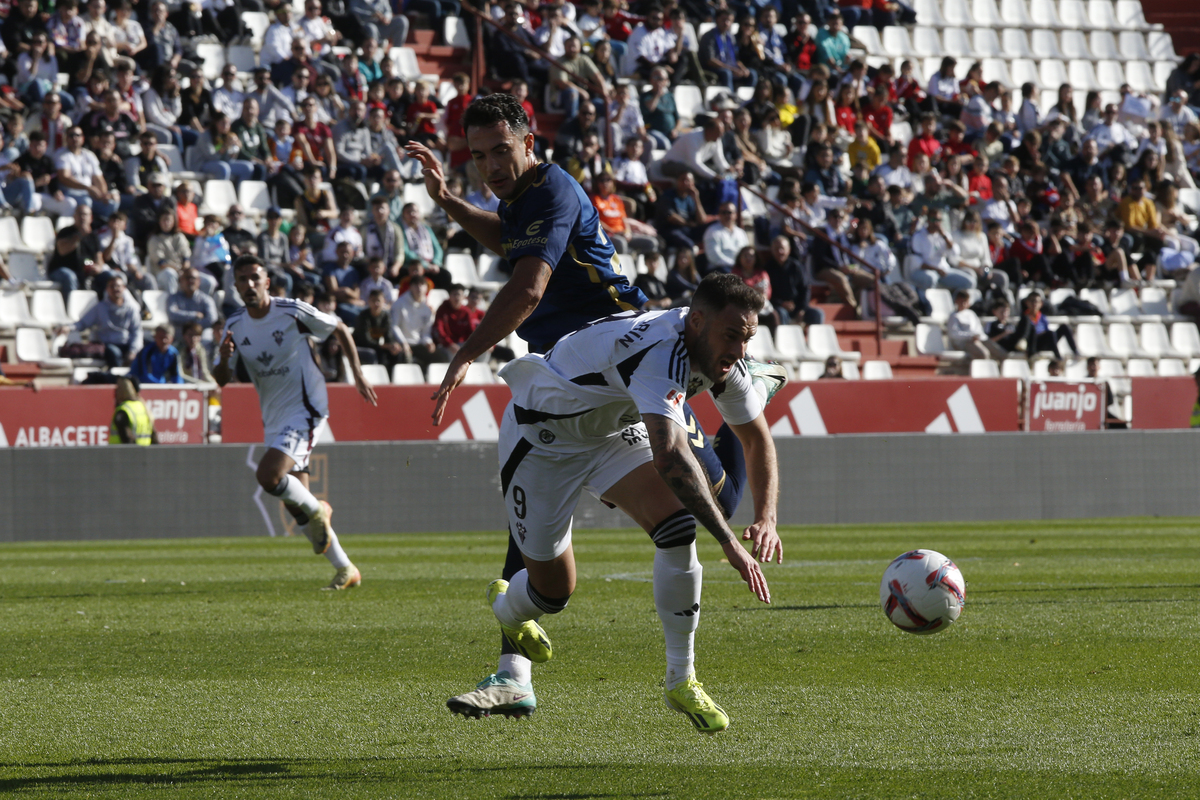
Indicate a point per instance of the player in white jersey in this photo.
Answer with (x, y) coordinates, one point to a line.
(270, 337)
(602, 410)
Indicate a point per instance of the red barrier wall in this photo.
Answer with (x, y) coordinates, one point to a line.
(78, 416)
(1163, 402)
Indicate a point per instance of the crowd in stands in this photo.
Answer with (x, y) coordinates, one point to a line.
(941, 180)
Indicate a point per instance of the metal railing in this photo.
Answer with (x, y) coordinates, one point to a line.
(837, 246)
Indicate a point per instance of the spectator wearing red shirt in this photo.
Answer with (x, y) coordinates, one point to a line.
(878, 116)
(317, 137)
(925, 142)
(846, 108)
(421, 113)
(955, 145)
(454, 321)
(619, 24)
(456, 137)
(979, 185)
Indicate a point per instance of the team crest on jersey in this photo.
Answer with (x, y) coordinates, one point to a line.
(265, 358)
(546, 437)
(695, 385)
(277, 336)
(245, 341)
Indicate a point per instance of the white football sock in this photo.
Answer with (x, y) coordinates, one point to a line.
(677, 579)
(515, 606)
(336, 555)
(292, 492)
(519, 668)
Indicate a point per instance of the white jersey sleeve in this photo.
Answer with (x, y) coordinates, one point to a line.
(736, 399)
(658, 384)
(316, 323)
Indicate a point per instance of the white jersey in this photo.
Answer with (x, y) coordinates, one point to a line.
(598, 381)
(280, 362)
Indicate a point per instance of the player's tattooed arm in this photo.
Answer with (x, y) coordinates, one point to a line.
(684, 476)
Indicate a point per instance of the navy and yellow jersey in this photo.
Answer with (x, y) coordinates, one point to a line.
(552, 219)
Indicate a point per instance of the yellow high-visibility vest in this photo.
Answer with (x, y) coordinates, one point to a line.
(139, 418)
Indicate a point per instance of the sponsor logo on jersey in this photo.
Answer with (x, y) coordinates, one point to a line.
(634, 434)
(245, 341)
(265, 358)
(533, 229)
(277, 336)
(674, 397)
(532, 241)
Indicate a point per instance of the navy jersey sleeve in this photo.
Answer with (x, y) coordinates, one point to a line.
(545, 222)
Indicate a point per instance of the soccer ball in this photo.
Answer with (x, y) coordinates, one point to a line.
(922, 592)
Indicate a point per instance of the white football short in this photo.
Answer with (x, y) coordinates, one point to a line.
(541, 488)
(297, 438)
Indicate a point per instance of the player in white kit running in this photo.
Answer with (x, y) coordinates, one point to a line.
(270, 337)
(602, 411)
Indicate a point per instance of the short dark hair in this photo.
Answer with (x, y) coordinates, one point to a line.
(496, 108)
(721, 289)
(250, 260)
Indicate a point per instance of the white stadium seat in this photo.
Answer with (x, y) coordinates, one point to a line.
(407, 374)
(242, 57)
(1053, 73)
(37, 233)
(941, 304)
(929, 12)
(1015, 368)
(1044, 44)
(14, 310)
(1100, 12)
(996, 69)
(156, 303)
(876, 371)
(10, 235)
(24, 267)
(1097, 297)
(1133, 46)
(1185, 338)
(762, 347)
(1161, 47)
(454, 33)
(254, 197)
(1130, 16)
(1162, 72)
(257, 23)
(1124, 342)
(1089, 336)
(1104, 45)
(461, 267)
(32, 348)
(1140, 368)
(1124, 304)
(958, 14)
(416, 193)
(869, 36)
(822, 340)
(984, 368)
(1082, 76)
(479, 374)
(929, 342)
(376, 374)
(1016, 14)
(1023, 71)
(987, 43)
(1157, 342)
(1016, 43)
(219, 195)
(1110, 75)
(1045, 15)
(896, 42)
(926, 42)
(850, 371)
(1155, 302)
(1140, 77)
(986, 14)
(79, 302)
(48, 308)
(955, 42)
(1074, 45)
(1073, 14)
(212, 57)
(811, 370)
(791, 346)
(688, 101)
(1172, 367)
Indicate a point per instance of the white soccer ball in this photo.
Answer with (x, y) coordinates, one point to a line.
(922, 592)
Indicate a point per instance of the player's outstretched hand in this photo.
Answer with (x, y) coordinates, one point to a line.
(227, 347)
(454, 376)
(366, 389)
(766, 542)
(435, 179)
(748, 568)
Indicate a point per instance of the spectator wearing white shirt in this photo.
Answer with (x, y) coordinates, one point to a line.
(413, 317)
(319, 32)
(228, 99)
(277, 41)
(80, 177)
(724, 239)
(693, 151)
(1028, 118)
(980, 111)
(649, 46)
(965, 331)
(935, 259)
(1001, 207)
(1109, 133)
(343, 231)
(552, 36)
(94, 21)
(943, 88)
(376, 280)
(1177, 114)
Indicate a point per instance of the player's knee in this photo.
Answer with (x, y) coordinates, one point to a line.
(677, 530)
(550, 605)
(270, 478)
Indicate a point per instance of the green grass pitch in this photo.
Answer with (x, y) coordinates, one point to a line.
(215, 668)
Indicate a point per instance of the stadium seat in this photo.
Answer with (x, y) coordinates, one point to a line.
(869, 36)
(1110, 368)
(461, 267)
(1124, 342)
(986, 43)
(25, 267)
(79, 302)
(63, 222)
(1082, 76)
(48, 308)
(1104, 46)
(37, 233)
(14, 311)
(1023, 71)
(791, 346)
(929, 342)
(405, 59)
(254, 197)
(1015, 14)
(1041, 369)
(941, 304)
(896, 42)
(1123, 305)
(1053, 73)
(155, 301)
(435, 373)
(1057, 296)
(1109, 75)
(454, 33)
(1045, 15)
(1155, 302)
(1073, 14)
(1185, 338)
(32, 348)
(376, 374)
(10, 235)
(1015, 368)
(986, 14)
(823, 341)
(1157, 342)
(1171, 367)
(1130, 16)
(957, 14)
(1016, 43)
(1140, 368)
(1074, 45)
(1097, 297)
(688, 101)
(488, 267)
(810, 370)
(213, 58)
(926, 42)
(1044, 44)
(876, 371)
(257, 23)
(762, 347)
(929, 12)
(850, 371)
(416, 193)
(407, 375)
(479, 374)
(955, 42)
(1140, 77)
(242, 57)
(996, 69)
(1089, 337)
(1075, 368)
(218, 196)
(1132, 45)
(744, 93)
(1101, 14)
(984, 368)
(1162, 72)
(931, 64)
(1160, 46)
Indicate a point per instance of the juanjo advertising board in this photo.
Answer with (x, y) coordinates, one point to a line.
(1066, 406)
(79, 416)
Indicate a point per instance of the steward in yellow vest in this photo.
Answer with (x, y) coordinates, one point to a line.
(131, 421)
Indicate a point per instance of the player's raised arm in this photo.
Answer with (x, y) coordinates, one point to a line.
(221, 373)
(685, 477)
(483, 226)
(763, 471)
(515, 301)
(346, 340)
